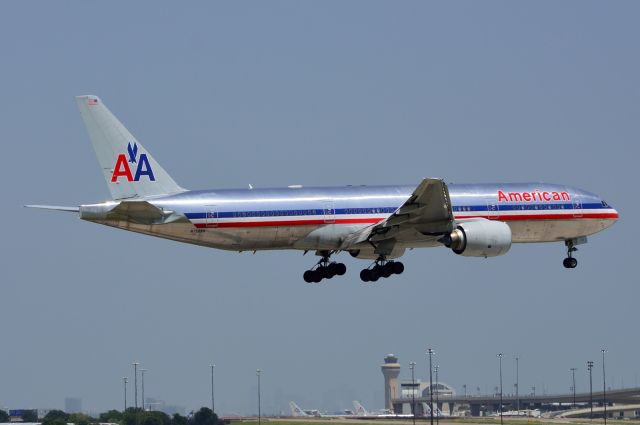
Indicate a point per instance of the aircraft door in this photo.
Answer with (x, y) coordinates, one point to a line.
(577, 205)
(492, 210)
(211, 216)
(329, 212)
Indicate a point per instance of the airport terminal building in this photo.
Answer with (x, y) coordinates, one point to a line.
(408, 397)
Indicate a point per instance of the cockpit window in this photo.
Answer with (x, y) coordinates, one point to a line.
(604, 204)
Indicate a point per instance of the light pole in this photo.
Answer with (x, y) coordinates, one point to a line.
(142, 371)
(213, 400)
(518, 384)
(465, 390)
(412, 366)
(430, 352)
(573, 374)
(135, 383)
(604, 387)
(533, 389)
(125, 380)
(500, 360)
(437, 397)
(258, 372)
(590, 366)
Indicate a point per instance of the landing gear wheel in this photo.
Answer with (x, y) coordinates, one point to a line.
(365, 275)
(328, 271)
(324, 269)
(386, 270)
(317, 276)
(398, 267)
(381, 268)
(374, 275)
(308, 276)
(570, 262)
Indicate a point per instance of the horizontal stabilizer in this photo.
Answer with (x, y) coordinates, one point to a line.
(54, 207)
(139, 212)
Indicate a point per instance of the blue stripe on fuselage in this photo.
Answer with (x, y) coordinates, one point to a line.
(388, 210)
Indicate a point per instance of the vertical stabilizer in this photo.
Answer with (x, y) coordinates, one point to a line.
(296, 411)
(128, 168)
(359, 408)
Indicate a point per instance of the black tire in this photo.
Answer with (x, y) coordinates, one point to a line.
(374, 275)
(365, 275)
(317, 276)
(565, 263)
(308, 276)
(573, 263)
(341, 269)
(398, 267)
(327, 272)
(386, 270)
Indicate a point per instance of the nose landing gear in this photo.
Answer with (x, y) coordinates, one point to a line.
(381, 268)
(570, 262)
(324, 269)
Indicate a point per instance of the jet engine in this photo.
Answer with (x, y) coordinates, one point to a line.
(479, 238)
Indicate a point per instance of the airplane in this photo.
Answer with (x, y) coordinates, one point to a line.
(297, 412)
(375, 223)
(535, 413)
(362, 413)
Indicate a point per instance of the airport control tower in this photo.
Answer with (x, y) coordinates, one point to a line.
(390, 370)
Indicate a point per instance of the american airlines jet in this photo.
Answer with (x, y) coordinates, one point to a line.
(375, 223)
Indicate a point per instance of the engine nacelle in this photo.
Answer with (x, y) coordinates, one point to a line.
(479, 238)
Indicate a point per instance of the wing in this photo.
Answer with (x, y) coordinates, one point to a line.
(423, 218)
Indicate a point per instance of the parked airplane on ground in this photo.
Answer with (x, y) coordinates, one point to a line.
(297, 412)
(369, 222)
(362, 413)
(529, 413)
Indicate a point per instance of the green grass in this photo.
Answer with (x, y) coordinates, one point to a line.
(475, 420)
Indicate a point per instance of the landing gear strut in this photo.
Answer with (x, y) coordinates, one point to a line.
(570, 262)
(381, 268)
(324, 269)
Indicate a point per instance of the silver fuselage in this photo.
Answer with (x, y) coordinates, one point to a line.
(319, 218)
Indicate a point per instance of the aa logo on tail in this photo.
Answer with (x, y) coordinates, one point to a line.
(123, 169)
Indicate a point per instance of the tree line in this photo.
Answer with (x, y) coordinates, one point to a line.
(131, 416)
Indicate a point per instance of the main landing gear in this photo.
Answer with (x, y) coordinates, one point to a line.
(324, 269)
(381, 268)
(570, 262)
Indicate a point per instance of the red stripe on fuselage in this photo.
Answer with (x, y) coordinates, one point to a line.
(533, 217)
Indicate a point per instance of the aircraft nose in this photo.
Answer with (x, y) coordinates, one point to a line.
(610, 212)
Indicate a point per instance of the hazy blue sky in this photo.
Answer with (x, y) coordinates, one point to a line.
(314, 93)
